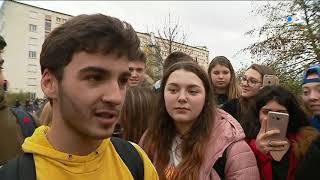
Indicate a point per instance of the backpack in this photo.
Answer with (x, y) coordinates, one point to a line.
(25, 120)
(220, 164)
(23, 167)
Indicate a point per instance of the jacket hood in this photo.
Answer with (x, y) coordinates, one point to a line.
(226, 130)
(303, 140)
(40, 146)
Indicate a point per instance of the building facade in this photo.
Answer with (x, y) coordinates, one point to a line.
(199, 53)
(25, 27)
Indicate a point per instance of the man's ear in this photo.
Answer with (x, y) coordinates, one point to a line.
(49, 84)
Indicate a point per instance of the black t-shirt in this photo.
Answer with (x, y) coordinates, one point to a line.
(232, 107)
(221, 99)
(280, 168)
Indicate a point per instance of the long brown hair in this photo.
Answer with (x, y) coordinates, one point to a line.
(245, 104)
(135, 114)
(159, 138)
(233, 87)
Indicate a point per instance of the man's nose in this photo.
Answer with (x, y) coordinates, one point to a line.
(314, 95)
(113, 93)
(134, 73)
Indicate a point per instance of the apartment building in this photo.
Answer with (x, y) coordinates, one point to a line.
(199, 53)
(25, 27)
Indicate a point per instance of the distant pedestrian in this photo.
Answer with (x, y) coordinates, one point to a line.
(17, 104)
(172, 58)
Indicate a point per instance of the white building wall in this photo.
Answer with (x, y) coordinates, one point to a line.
(21, 70)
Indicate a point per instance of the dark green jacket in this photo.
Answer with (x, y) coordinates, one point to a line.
(10, 133)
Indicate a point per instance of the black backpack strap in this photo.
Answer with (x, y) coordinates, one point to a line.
(130, 157)
(220, 164)
(20, 168)
(25, 120)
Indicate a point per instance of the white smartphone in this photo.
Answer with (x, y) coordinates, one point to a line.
(279, 121)
(269, 80)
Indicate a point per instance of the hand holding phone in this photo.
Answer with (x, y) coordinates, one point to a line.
(278, 121)
(269, 80)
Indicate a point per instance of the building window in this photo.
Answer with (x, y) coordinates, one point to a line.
(33, 41)
(32, 28)
(58, 20)
(47, 25)
(32, 55)
(33, 15)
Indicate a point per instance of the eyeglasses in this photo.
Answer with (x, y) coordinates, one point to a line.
(251, 82)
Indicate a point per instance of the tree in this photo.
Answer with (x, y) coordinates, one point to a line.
(170, 37)
(290, 47)
(20, 96)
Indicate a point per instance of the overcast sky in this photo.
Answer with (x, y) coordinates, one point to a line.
(219, 25)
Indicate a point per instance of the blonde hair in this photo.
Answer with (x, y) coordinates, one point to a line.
(46, 115)
(233, 90)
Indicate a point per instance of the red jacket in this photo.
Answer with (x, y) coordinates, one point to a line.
(299, 143)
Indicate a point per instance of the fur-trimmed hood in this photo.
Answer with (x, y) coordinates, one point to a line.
(302, 140)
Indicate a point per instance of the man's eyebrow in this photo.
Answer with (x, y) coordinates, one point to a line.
(126, 74)
(91, 69)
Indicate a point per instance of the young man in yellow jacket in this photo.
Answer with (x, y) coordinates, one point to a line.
(84, 65)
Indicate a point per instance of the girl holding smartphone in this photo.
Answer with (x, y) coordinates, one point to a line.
(299, 134)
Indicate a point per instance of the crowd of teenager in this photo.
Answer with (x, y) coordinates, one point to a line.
(107, 119)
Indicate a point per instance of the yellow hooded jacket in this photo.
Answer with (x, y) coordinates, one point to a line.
(103, 164)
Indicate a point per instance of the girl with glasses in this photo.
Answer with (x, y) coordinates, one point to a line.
(251, 83)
